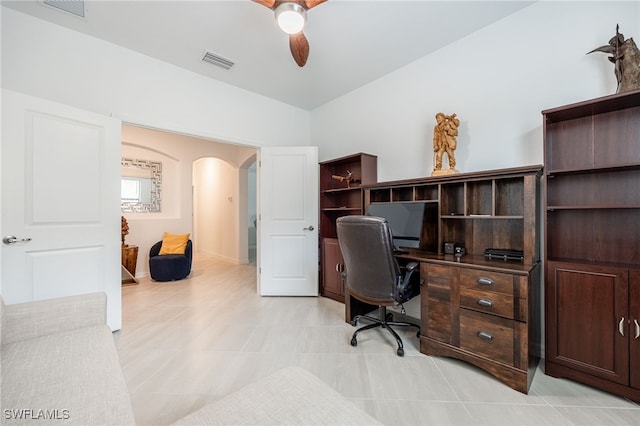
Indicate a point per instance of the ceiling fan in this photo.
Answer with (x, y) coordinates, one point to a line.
(291, 16)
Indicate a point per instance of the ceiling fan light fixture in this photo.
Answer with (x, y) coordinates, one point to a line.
(291, 17)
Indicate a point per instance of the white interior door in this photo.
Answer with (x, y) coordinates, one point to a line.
(288, 221)
(60, 203)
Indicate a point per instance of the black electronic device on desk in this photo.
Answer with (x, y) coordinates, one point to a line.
(504, 254)
(450, 247)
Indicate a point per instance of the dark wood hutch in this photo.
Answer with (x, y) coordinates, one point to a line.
(480, 310)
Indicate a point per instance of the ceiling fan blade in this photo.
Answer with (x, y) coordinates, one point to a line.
(313, 3)
(299, 46)
(268, 3)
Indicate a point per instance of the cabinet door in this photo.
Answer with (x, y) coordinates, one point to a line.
(438, 299)
(587, 328)
(634, 316)
(332, 283)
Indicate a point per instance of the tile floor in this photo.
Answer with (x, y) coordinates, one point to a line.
(187, 343)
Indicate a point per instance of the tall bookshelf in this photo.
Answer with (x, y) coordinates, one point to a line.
(340, 197)
(592, 244)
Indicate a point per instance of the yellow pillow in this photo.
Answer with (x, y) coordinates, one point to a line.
(174, 243)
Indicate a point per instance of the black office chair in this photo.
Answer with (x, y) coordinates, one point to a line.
(372, 273)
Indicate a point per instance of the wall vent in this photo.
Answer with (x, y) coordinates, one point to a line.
(75, 7)
(215, 59)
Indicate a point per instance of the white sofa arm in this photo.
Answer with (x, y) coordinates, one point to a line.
(28, 320)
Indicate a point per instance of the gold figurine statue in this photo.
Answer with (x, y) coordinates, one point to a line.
(444, 141)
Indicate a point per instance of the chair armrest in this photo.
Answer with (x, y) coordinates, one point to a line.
(29, 320)
(411, 266)
(408, 286)
(155, 249)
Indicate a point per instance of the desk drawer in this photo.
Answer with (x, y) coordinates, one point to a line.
(486, 281)
(487, 335)
(487, 301)
(436, 304)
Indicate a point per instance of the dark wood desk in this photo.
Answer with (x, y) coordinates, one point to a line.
(485, 312)
(355, 307)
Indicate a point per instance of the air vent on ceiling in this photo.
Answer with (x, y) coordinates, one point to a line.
(75, 7)
(215, 59)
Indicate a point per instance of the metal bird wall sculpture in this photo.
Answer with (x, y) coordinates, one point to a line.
(625, 57)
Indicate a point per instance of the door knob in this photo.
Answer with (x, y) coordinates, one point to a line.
(309, 228)
(11, 239)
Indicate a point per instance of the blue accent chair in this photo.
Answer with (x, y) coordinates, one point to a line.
(169, 267)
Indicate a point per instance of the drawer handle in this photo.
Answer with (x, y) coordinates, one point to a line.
(485, 281)
(635, 322)
(485, 302)
(484, 335)
(621, 326)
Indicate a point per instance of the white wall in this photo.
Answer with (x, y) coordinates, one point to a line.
(178, 154)
(52, 62)
(497, 80)
(48, 61)
(216, 187)
(252, 208)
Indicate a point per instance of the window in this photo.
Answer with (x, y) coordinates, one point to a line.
(130, 190)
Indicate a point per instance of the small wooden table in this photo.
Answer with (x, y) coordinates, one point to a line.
(129, 260)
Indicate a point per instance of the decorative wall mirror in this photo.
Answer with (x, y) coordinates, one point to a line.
(141, 185)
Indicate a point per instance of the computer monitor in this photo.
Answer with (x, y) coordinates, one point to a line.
(405, 221)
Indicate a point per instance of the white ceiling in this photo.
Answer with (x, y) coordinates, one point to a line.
(353, 42)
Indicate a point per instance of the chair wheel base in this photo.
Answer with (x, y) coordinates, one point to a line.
(386, 322)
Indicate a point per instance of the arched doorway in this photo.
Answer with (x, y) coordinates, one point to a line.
(224, 209)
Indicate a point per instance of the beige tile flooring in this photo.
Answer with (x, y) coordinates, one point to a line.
(187, 343)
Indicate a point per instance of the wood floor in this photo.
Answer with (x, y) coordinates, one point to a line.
(187, 343)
